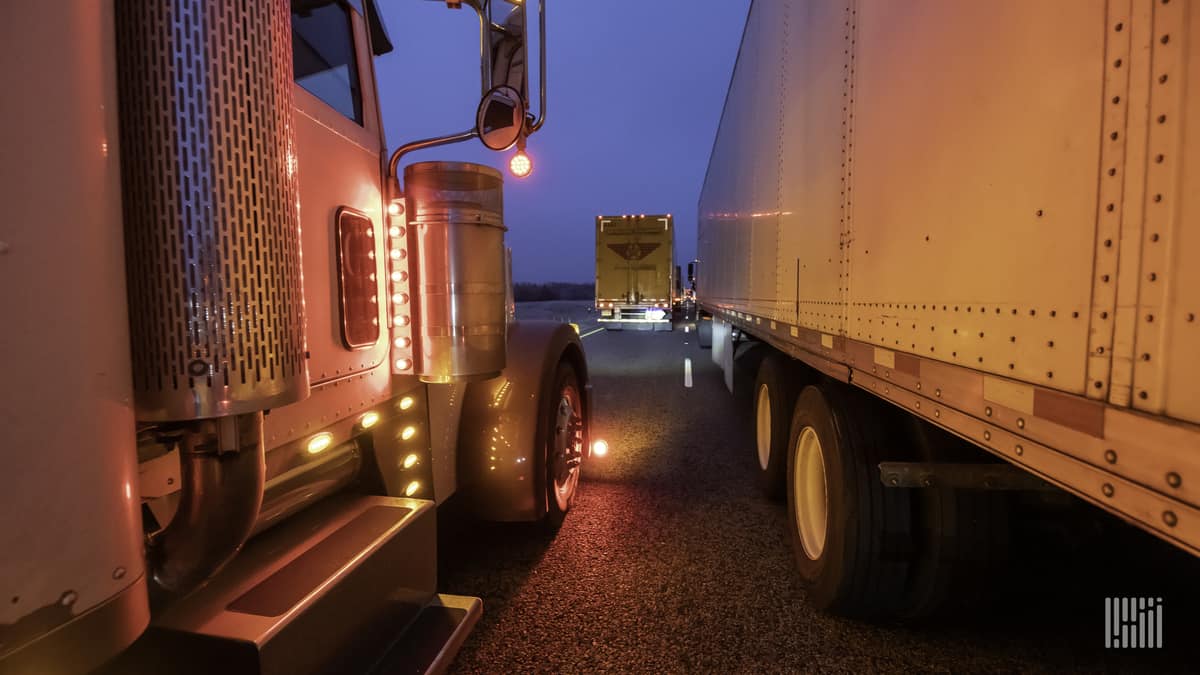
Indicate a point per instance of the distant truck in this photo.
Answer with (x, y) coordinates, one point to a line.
(963, 241)
(635, 271)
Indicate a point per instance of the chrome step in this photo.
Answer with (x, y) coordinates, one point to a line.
(342, 587)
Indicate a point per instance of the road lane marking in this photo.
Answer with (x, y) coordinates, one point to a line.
(592, 332)
(687, 373)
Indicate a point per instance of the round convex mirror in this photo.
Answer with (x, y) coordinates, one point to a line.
(500, 118)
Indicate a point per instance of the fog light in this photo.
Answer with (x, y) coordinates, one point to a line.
(600, 448)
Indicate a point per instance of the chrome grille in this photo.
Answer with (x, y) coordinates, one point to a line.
(211, 206)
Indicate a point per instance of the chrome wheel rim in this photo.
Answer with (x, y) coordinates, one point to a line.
(567, 453)
(762, 427)
(811, 493)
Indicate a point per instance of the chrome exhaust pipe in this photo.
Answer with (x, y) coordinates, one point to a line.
(222, 465)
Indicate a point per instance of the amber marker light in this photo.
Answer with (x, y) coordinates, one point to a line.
(320, 442)
(369, 420)
(408, 433)
(395, 208)
(407, 402)
(520, 165)
(411, 461)
(412, 488)
(600, 448)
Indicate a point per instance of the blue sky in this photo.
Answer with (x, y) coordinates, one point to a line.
(636, 89)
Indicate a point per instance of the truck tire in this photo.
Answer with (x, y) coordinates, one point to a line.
(704, 333)
(774, 399)
(563, 420)
(962, 537)
(850, 534)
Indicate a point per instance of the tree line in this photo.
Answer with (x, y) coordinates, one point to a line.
(557, 290)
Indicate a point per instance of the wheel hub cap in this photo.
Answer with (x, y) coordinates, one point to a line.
(811, 493)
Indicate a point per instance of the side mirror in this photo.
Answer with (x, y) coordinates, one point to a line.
(509, 42)
(500, 119)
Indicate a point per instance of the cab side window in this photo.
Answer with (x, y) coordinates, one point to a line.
(323, 55)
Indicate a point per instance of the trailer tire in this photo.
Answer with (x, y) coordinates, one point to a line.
(704, 333)
(774, 400)
(563, 419)
(853, 552)
(962, 537)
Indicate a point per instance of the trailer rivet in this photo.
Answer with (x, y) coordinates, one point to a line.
(1174, 480)
(937, 413)
(1169, 518)
(918, 386)
(927, 481)
(119, 573)
(918, 404)
(1107, 489)
(1110, 456)
(68, 598)
(987, 435)
(894, 480)
(1019, 450)
(1020, 422)
(938, 393)
(988, 411)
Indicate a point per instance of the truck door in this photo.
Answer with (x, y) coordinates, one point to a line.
(338, 150)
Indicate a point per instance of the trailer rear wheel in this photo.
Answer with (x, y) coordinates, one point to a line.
(850, 534)
(962, 538)
(774, 398)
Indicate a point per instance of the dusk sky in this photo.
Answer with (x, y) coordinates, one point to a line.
(636, 90)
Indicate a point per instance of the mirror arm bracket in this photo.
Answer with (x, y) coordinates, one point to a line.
(394, 162)
(541, 115)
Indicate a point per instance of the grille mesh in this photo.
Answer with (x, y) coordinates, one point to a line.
(211, 206)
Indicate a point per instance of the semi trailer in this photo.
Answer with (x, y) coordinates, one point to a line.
(247, 354)
(962, 237)
(635, 271)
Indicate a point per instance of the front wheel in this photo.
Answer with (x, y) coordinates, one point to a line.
(565, 434)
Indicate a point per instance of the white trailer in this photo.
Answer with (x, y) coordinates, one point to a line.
(984, 214)
(213, 448)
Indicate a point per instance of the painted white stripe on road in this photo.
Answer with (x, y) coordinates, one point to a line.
(687, 373)
(592, 332)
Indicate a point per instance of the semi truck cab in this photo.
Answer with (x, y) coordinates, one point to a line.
(287, 348)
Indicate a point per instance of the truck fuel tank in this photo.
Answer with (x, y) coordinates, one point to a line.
(456, 234)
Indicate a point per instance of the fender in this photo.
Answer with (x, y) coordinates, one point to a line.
(501, 451)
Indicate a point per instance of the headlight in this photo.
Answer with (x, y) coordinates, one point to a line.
(655, 314)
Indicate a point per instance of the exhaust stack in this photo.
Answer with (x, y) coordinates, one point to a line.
(212, 243)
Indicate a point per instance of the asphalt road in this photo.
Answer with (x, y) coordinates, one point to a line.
(671, 561)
